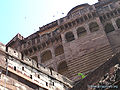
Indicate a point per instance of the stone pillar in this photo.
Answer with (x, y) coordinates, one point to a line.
(52, 51)
(55, 66)
(63, 38)
(39, 57)
(75, 33)
(86, 26)
(114, 24)
(100, 24)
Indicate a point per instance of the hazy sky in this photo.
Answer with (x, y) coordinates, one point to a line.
(26, 16)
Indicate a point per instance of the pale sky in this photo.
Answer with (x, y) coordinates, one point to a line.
(26, 16)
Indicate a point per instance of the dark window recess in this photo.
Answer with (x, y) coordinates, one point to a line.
(66, 26)
(43, 45)
(54, 33)
(69, 36)
(49, 35)
(70, 25)
(89, 16)
(15, 68)
(56, 38)
(29, 59)
(6, 60)
(62, 27)
(33, 41)
(118, 10)
(29, 43)
(26, 52)
(61, 20)
(108, 15)
(85, 17)
(51, 71)
(109, 28)
(0, 73)
(94, 14)
(53, 40)
(115, 12)
(93, 26)
(62, 68)
(118, 22)
(81, 19)
(31, 76)
(14, 51)
(60, 37)
(111, 14)
(101, 18)
(35, 58)
(30, 50)
(6, 49)
(104, 16)
(59, 50)
(23, 68)
(35, 49)
(22, 56)
(73, 22)
(38, 76)
(77, 20)
(39, 47)
(68, 17)
(53, 83)
(37, 65)
(81, 31)
(46, 84)
(47, 55)
(48, 42)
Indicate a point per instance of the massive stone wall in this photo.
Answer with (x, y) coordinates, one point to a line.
(17, 71)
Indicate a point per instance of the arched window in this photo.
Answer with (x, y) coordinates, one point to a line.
(62, 68)
(93, 26)
(35, 58)
(109, 28)
(118, 23)
(47, 55)
(59, 50)
(69, 36)
(81, 31)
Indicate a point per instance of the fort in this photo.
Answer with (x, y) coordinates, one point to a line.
(85, 41)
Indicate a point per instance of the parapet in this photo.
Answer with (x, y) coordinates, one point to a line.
(16, 58)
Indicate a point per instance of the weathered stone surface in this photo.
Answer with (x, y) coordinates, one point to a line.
(27, 75)
(84, 50)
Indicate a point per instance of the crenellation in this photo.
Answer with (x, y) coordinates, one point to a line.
(28, 68)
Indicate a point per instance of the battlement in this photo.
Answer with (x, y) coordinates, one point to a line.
(27, 67)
